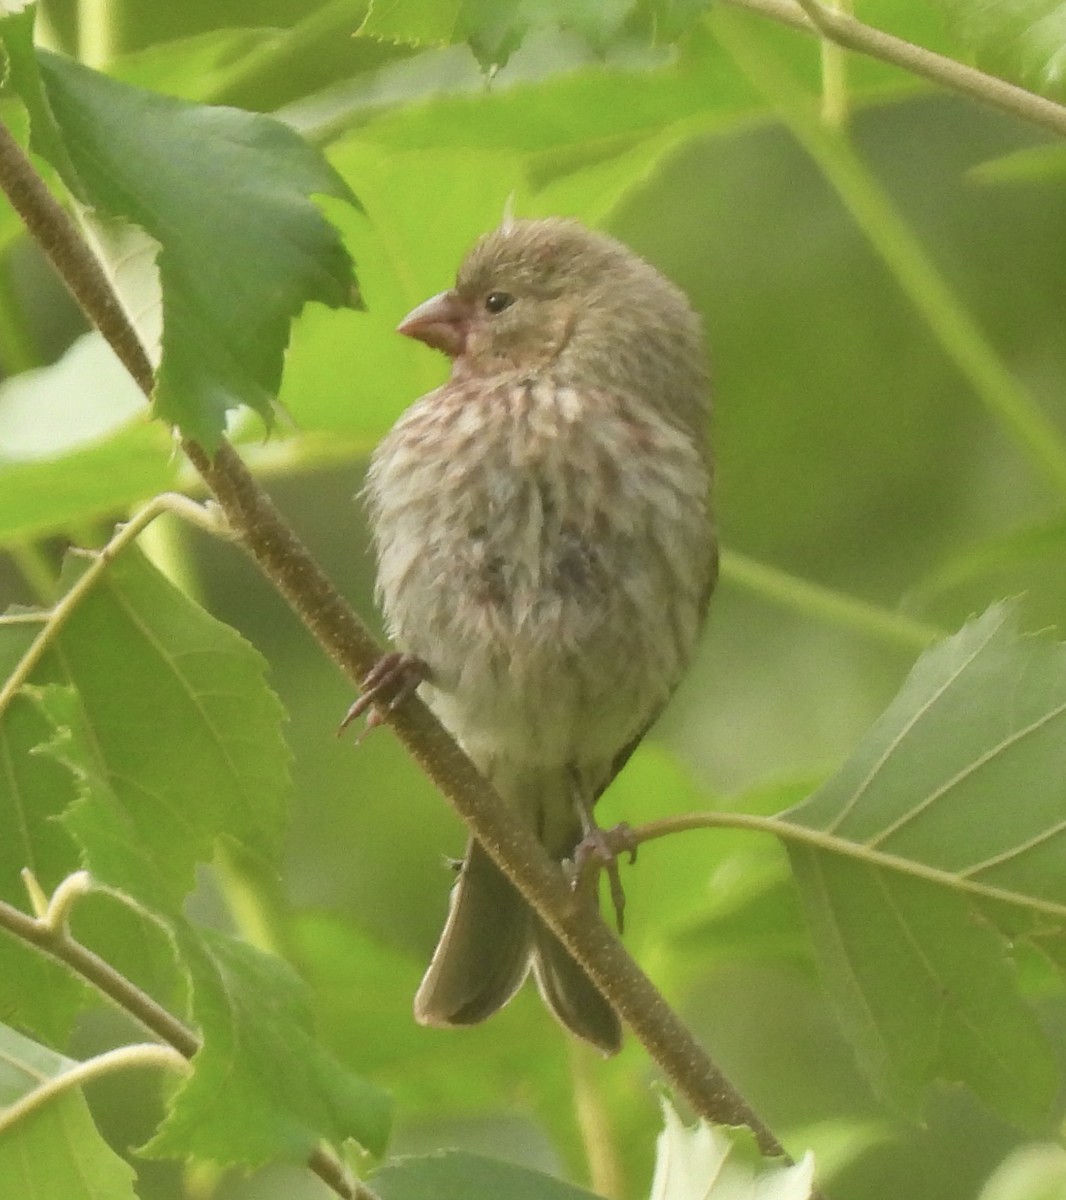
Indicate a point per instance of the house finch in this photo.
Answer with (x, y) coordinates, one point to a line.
(545, 555)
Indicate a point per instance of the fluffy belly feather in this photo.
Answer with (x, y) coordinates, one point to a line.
(555, 596)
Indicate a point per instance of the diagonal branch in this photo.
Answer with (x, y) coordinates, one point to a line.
(281, 556)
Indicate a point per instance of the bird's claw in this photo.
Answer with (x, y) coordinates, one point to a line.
(391, 680)
(601, 848)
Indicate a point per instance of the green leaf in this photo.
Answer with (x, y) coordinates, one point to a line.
(23, 77)
(262, 1089)
(563, 97)
(424, 23)
(671, 19)
(170, 730)
(61, 464)
(35, 992)
(226, 194)
(591, 112)
(33, 789)
(495, 29)
(979, 712)
(191, 67)
(43, 496)
(456, 1176)
(55, 1150)
(924, 989)
(1023, 40)
(954, 794)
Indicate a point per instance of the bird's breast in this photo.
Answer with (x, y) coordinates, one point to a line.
(544, 551)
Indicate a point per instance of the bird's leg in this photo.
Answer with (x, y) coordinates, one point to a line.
(600, 848)
(391, 680)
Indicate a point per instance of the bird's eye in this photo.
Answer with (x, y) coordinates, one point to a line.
(496, 302)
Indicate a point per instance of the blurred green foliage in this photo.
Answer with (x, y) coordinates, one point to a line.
(852, 452)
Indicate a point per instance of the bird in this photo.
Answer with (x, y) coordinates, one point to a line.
(545, 551)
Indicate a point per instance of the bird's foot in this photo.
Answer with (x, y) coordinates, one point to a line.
(391, 680)
(601, 849)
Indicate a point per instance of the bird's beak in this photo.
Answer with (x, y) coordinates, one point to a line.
(441, 322)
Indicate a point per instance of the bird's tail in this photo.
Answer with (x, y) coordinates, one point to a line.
(571, 995)
(483, 953)
(489, 941)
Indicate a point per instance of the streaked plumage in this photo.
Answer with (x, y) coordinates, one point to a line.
(545, 545)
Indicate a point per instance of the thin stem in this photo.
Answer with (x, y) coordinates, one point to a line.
(593, 1121)
(835, 78)
(58, 943)
(297, 576)
(98, 32)
(62, 611)
(825, 604)
(38, 898)
(812, 17)
(56, 913)
(819, 839)
(915, 272)
(123, 1058)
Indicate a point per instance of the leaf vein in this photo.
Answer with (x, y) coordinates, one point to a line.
(919, 713)
(960, 776)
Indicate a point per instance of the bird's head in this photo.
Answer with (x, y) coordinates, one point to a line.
(552, 297)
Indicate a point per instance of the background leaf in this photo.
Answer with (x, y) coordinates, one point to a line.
(154, 161)
(1024, 40)
(896, 797)
(221, 346)
(35, 992)
(149, 810)
(454, 1176)
(494, 31)
(59, 468)
(56, 1150)
(262, 1089)
(920, 976)
(353, 375)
